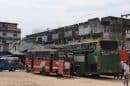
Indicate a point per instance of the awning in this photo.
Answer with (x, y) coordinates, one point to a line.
(13, 52)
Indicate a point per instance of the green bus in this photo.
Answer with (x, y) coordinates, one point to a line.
(97, 57)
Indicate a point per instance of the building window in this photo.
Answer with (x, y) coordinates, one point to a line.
(1, 25)
(68, 33)
(14, 34)
(3, 41)
(12, 26)
(128, 31)
(85, 25)
(4, 34)
(55, 36)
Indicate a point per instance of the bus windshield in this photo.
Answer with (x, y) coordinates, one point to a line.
(109, 45)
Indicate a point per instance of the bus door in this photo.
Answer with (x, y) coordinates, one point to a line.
(32, 61)
(51, 63)
(86, 57)
(92, 57)
(61, 58)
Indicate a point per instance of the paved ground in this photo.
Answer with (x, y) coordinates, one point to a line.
(21, 78)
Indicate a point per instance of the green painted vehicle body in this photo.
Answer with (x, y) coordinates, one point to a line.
(96, 57)
(109, 63)
(98, 63)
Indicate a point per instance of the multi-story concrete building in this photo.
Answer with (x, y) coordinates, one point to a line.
(10, 34)
(56, 36)
(107, 28)
(96, 28)
(36, 38)
(84, 30)
(112, 27)
(117, 28)
(71, 33)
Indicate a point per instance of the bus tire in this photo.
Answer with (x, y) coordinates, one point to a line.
(13, 69)
(1, 70)
(43, 71)
(95, 75)
(27, 69)
(78, 72)
(10, 69)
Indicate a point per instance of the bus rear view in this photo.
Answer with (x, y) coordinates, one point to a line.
(109, 62)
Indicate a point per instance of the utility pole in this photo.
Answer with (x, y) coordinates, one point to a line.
(123, 41)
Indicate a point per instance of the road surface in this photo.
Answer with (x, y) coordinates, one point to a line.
(21, 78)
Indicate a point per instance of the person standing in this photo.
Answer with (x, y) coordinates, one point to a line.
(122, 69)
(126, 72)
(67, 68)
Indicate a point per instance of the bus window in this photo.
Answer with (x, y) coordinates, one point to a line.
(109, 45)
(29, 56)
(55, 56)
(37, 56)
(61, 55)
(40, 56)
(92, 46)
(69, 55)
(46, 55)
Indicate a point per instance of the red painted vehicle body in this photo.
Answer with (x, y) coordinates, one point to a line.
(47, 61)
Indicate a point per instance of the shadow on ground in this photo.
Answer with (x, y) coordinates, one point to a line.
(103, 78)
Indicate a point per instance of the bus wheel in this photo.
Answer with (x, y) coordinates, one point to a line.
(59, 75)
(1, 70)
(43, 71)
(10, 69)
(27, 69)
(13, 69)
(77, 72)
(95, 75)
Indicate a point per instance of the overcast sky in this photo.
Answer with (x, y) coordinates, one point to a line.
(37, 15)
